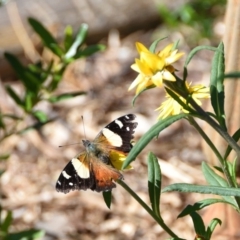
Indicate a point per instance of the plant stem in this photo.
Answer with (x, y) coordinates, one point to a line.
(218, 128)
(221, 159)
(214, 149)
(159, 220)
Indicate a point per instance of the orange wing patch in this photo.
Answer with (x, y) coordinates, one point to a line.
(104, 176)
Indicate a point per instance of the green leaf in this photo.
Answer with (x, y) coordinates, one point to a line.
(29, 80)
(149, 135)
(212, 177)
(232, 171)
(178, 99)
(30, 234)
(216, 85)
(195, 50)
(236, 137)
(205, 189)
(41, 116)
(68, 37)
(234, 75)
(29, 101)
(46, 37)
(154, 182)
(198, 225)
(88, 51)
(14, 96)
(57, 49)
(2, 123)
(145, 89)
(2, 172)
(65, 96)
(4, 157)
(153, 46)
(214, 222)
(202, 204)
(80, 38)
(107, 196)
(6, 222)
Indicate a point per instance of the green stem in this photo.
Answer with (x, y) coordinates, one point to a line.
(215, 126)
(219, 156)
(214, 149)
(159, 220)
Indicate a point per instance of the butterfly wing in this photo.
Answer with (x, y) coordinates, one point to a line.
(118, 134)
(93, 168)
(87, 172)
(77, 175)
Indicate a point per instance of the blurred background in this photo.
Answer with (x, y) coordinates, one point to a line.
(32, 160)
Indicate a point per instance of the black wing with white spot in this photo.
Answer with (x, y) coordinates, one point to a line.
(69, 178)
(119, 132)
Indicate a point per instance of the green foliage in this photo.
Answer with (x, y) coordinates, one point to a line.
(40, 80)
(221, 179)
(198, 14)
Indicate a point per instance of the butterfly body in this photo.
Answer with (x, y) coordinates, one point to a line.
(94, 168)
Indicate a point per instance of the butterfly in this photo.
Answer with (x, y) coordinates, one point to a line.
(94, 168)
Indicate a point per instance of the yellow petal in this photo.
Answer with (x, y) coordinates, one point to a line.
(137, 80)
(168, 76)
(166, 51)
(141, 48)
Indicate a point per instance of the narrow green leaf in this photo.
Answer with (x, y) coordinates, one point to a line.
(57, 49)
(234, 75)
(6, 222)
(46, 37)
(14, 95)
(2, 172)
(202, 204)
(56, 78)
(65, 96)
(30, 234)
(236, 137)
(232, 171)
(216, 85)
(198, 225)
(154, 182)
(205, 189)
(25, 75)
(149, 135)
(153, 46)
(195, 50)
(211, 177)
(29, 101)
(210, 229)
(137, 95)
(90, 50)
(4, 157)
(178, 99)
(215, 180)
(40, 116)
(107, 196)
(80, 38)
(68, 37)
(2, 123)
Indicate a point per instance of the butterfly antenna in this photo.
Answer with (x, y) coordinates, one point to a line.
(69, 144)
(84, 128)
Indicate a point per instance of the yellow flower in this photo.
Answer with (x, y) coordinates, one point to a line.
(153, 68)
(117, 159)
(171, 107)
